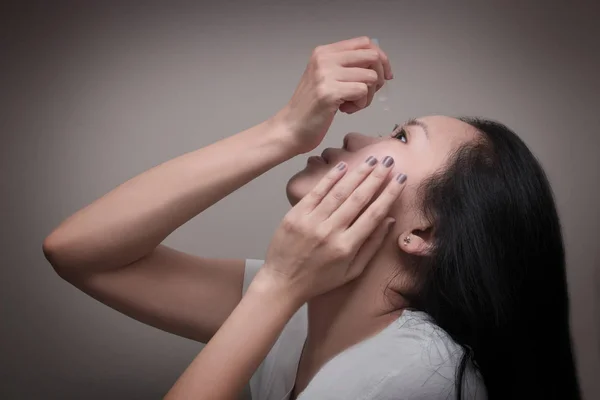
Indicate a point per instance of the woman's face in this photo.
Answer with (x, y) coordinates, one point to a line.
(419, 148)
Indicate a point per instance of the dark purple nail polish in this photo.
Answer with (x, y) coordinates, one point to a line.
(401, 178)
(341, 166)
(388, 161)
(371, 160)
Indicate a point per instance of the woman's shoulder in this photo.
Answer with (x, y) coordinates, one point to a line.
(417, 328)
(411, 358)
(430, 359)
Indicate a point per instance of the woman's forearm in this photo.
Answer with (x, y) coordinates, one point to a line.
(230, 358)
(131, 220)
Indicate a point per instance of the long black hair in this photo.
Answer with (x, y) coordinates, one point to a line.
(495, 278)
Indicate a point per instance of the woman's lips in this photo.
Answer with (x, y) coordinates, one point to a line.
(326, 157)
(327, 154)
(316, 160)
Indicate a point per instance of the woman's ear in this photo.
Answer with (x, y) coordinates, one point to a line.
(417, 241)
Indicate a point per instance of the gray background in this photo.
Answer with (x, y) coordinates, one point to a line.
(93, 94)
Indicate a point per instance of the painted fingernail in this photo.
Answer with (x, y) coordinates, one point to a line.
(401, 178)
(388, 161)
(371, 160)
(341, 165)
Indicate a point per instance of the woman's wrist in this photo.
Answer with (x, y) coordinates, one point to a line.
(271, 285)
(284, 131)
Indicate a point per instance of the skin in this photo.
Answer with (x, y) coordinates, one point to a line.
(341, 317)
(307, 246)
(199, 297)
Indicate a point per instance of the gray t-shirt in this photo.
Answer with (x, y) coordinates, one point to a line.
(410, 359)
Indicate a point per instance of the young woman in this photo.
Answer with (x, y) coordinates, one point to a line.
(464, 297)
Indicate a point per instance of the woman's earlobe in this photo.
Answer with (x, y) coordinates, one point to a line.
(415, 242)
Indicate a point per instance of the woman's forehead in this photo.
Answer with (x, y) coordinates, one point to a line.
(448, 126)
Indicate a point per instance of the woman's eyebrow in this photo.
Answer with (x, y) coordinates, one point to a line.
(416, 122)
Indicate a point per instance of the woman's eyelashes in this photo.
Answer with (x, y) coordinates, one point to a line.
(400, 135)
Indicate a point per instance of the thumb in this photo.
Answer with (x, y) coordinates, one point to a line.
(370, 248)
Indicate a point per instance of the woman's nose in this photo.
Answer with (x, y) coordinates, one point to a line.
(355, 141)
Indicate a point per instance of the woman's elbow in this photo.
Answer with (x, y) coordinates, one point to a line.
(57, 252)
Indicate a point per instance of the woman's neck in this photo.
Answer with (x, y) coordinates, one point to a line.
(348, 315)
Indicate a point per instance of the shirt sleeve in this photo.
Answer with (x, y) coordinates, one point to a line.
(250, 271)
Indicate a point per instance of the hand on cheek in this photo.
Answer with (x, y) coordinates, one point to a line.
(323, 242)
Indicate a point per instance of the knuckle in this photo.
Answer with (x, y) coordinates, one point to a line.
(320, 73)
(317, 51)
(319, 56)
(376, 213)
(307, 230)
(316, 56)
(371, 76)
(289, 223)
(322, 232)
(362, 89)
(380, 173)
(363, 40)
(365, 88)
(372, 55)
(341, 249)
(360, 198)
(374, 76)
(315, 195)
(295, 226)
(339, 195)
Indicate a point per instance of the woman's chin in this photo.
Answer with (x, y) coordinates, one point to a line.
(292, 192)
(299, 185)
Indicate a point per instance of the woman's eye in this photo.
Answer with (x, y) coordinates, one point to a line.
(400, 135)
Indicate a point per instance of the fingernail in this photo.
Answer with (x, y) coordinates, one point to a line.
(341, 165)
(388, 161)
(371, 160)
(401, 178)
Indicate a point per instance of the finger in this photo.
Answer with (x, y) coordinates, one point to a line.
(321, 189)
(360, 197)
(349, 107)
(378, 67)
(357, 58)
(369, 248)
(343, 189)
(354, 74)
(376, 212)
(361, 42)
(385, 62)
(350, 91)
